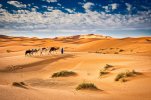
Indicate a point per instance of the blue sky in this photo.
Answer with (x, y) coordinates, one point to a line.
(50, 18)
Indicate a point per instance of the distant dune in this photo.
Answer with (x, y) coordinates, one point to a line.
(87, 36)
(86, 43)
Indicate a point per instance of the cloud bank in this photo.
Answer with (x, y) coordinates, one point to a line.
(57, 19)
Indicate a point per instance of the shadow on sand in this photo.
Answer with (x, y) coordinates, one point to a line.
(36, 65)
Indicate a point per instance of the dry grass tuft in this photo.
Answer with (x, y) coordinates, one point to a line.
(90, 86)
(19, 84)
(105, 70)
(121, 76)
(63, 74)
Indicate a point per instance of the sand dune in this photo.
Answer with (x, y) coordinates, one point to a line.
(85, 56)
(86, 43)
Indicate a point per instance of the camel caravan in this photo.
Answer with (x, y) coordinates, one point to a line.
(41, 51)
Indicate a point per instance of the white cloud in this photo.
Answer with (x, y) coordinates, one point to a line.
(17, 4)
(70, 10)
(110, 7)
(0, 5)
(87, 6)
(29, 5)
(49, 8)
(21, 11)
(80, 3)
(50, 1)
(36, 7)
(33, 9)
(44, 6)
(114, 6)
(57, 19)
(106, 8)
(2, 11)
(58, 4)
(129, 6)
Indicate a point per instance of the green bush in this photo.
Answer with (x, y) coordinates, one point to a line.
(63, 74)
(86, 86)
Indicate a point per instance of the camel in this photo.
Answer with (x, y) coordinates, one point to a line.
(31, 52)
(43, 50)
(28, 52)
(53, 49)
(35, 51)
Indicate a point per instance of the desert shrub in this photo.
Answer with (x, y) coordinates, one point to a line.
(148, 40)
(22, 83)
(63, 74)
(86, 86)
(116, 53)
(19, 84)
(119, 76)
(121, 50)
(103, 72)
(123, 80)
(97, 52)
(128, 74)
(134, 72)
(107, 66)
(125, 74)
(8, 51)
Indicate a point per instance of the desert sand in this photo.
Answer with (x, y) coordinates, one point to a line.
(85, 55)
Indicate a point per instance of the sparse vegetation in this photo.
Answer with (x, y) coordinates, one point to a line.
(22, 83)
(121, 50)
(119, 76)
(123, 75)
(63, 74)
(110, 51)
(86, 86)
(8, 51)
(107, 66)
(116, 53)
(19, 84)
(128, 74)
(104, 70)
(148, 40)
(134, 72)
(13, 67)
(123, 80)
